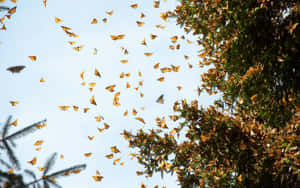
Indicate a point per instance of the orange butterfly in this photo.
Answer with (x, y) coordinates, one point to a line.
(153, 36)
(160, 99)
(64, 108)
(97, 73)
(13, 103)
(134, 6)
(75, 108)
(88, 154)
(110, 13)
(57, 20)
(12, 10)
(33, 58)
(33, 161)
(14, 123)
(124, 61)
(78, 48)
(92, 100)
(161, 79)
(111, 88)
(110, 156)
(140, 24)
(148, 54)
(114, 149)
(140, 119)
(16, 69)
(94, 21)
(39, 142)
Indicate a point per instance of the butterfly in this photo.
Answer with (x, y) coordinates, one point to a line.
(97, 73)
(134, 6)
(12, 10)
(140, 24)
(57, 20)
(33, 58)
(39, 142)
(64, 108)
(114, 149)
(92, 100)
(16, 69)
(148, 54)
(140, 119)
(94, 21)
(14, 123)
(78, 48)
(13, 103)
(160, 99)
(33, 161)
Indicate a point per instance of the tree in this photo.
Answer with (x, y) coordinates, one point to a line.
(10, 179)
(250, 137)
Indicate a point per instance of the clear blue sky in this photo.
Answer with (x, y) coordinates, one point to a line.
(32, 31)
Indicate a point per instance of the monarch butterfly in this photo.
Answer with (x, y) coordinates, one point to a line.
(16, 69)
(160, 99)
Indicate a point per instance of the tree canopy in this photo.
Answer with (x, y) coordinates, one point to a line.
(250, 136)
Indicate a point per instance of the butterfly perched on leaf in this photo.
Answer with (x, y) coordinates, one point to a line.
(16, 69)
(160, 99)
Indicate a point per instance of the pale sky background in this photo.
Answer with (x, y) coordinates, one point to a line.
(32, 31)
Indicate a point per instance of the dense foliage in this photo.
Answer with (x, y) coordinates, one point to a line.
(251, 136)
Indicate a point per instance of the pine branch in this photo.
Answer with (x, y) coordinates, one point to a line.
(3, 8)
(5, 164)
(24, 131)
(50, 162)
(5, 128)
(62, 172)
(30, 173)
(11, 156)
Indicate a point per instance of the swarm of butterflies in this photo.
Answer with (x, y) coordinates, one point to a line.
(161, 122)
